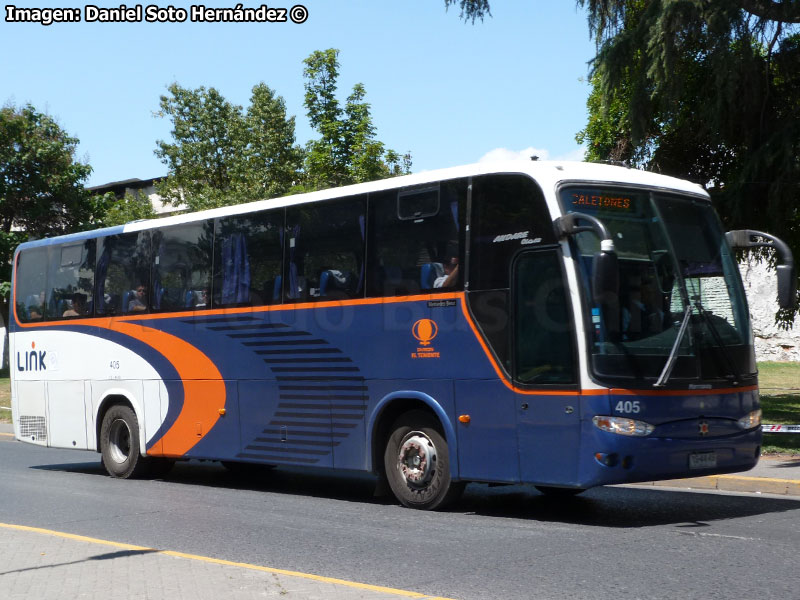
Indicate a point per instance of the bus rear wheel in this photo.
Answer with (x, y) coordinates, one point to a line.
(119, 443)
(417, 463)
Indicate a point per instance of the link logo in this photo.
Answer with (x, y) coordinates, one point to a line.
(33, 360)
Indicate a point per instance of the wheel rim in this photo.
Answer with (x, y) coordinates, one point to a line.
(416, 459)
(119, 441)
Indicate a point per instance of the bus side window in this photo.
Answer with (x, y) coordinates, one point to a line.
(248, 259)
(416, 239)
(71, 280)
(325, 251)
(181, 272)
(123, 274)
(544, 347)
(30, 284)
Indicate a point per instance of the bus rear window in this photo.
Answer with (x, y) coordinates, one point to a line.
(31, 283)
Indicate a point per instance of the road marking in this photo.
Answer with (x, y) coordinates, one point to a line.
(6, 434)
(342, 582)
(744, 478)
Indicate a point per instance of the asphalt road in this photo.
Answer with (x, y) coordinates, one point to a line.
(503, 542)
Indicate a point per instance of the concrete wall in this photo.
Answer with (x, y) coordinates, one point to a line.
(772, 343)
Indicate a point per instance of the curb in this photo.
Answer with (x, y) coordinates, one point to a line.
(733, 483)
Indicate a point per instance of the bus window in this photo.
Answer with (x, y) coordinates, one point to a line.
(71, 280)
(325, 251)
(508, 214)
(182, 267)
(418, 253)
(544, 348)
(30, 285)
(248, 259)
(123, 274)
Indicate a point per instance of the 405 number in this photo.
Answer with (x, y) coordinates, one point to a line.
(628, 406)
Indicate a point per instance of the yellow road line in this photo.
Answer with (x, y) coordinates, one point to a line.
(745, 478)
(331, 580)
(6, 434)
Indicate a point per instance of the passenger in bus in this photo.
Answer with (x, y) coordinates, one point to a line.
(450, 274)
(138, 301)
(78, 308)
(36, 306)
(642, 316)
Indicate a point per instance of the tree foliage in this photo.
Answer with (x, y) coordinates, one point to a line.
(471, 9)
(347, 150)
(41, 183)
(221, 154)
(707, 90)
(133, 207)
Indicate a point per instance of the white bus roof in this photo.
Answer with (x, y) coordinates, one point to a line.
(548, 174)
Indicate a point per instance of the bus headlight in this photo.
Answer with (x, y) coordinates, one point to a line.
(623, 426)
(751, 420)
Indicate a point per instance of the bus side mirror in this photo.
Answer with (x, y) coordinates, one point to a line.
(787, 278)
(605, 267)
(787, 286)
(605, 274)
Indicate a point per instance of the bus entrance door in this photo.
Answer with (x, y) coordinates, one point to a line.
(548, 430)
(545, 369)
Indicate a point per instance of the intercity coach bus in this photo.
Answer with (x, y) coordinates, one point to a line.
(566, 325)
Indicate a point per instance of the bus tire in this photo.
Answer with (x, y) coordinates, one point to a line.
(417, 463)
(119, 443)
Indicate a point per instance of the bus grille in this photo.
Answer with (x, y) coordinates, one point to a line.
(33, 427)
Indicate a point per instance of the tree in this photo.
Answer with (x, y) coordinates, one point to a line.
(471, 9)
(41, 183)
(133, 207)
(706, 90)
(347, 151)
(221, 155)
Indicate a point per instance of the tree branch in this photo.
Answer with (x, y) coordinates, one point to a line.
(784, 11)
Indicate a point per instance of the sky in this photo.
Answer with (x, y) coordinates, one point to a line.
(450, 92)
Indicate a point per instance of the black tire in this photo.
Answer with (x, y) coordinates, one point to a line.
(559, 492)
(417, 463)
(119, 443)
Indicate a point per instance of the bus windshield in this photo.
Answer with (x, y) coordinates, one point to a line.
(674, 266)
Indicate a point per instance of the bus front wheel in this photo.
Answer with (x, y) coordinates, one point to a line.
(417, 463)
(119, 443)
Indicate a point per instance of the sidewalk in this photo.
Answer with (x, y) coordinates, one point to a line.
(38, 563)
(772, 475)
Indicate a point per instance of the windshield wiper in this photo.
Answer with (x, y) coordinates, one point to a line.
(673, 355)
(718, 341)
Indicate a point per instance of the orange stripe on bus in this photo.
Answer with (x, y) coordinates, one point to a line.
(203, 388)
(244, 310)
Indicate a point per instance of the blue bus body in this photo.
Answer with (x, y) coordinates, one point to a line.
(328, 383)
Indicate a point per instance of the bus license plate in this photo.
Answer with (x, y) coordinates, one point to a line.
(703, 460)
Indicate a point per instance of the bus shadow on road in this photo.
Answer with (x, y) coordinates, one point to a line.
(614, 507)
(620, 507)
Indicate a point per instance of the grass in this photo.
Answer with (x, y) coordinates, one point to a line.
(5, 397)
(780, 401)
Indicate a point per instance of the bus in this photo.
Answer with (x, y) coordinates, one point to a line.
(566, 325)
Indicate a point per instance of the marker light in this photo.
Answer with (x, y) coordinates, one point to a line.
(623, 426)
(750, 420)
